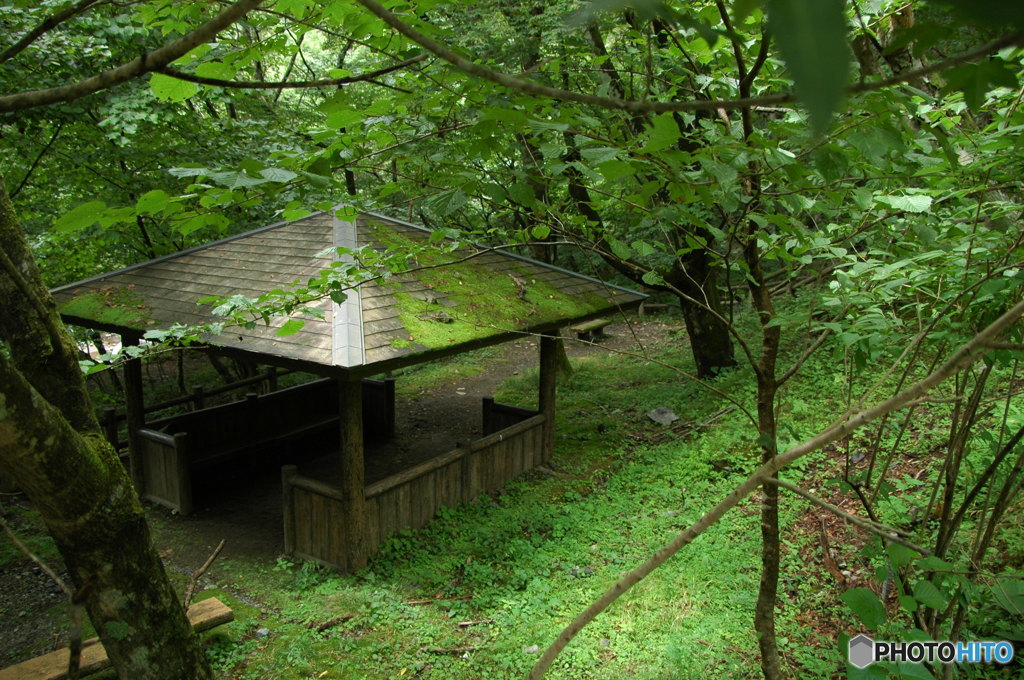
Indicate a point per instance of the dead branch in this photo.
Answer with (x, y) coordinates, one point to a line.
(456, 650)
(886, 532)
(826, 556)
(466, 624)
(190, 590)
(440, 599)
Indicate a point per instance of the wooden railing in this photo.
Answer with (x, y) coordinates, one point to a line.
(111, 419)
(173, 448)
(313, 522)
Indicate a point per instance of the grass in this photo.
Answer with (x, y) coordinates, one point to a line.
(516, 566)
(530, 558)
(419, 377)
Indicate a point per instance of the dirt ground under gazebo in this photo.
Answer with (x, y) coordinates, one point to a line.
(427, 424)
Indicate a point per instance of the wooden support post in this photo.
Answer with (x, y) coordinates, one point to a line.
(110, 426)
(288, 504)
(389, 405)
(135, 413)
(350, 402)
(198, 397)
(487, 426)
(549, 348)
(182, 474)
(272, 379)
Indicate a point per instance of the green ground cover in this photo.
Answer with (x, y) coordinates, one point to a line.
(522, 563)
(514, 567)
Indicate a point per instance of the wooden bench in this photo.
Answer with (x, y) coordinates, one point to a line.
(590, 329)
(202, 615)
(652, 308)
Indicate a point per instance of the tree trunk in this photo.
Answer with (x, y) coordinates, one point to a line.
(767, 390)
(701, 304)
(51, 445)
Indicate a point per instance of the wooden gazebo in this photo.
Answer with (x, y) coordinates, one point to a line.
(441, 301)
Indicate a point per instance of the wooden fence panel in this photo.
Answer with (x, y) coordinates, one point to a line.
(409, 499)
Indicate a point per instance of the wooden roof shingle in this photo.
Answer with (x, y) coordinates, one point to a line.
(443, 300)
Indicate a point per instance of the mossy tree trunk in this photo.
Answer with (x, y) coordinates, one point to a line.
(694, 280)
(52, 447)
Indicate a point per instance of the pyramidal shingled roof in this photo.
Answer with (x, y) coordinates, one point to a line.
(443, 302)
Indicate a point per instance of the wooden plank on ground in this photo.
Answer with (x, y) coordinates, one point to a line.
(202, 615)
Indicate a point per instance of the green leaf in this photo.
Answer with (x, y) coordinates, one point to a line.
(864, 603)
(812, 38)
(863, 197)
(215, 69)
(599, 154)
(1010, 595)
(664, 132)
(290, 327)
(653, 278)
(725, 174)
(505, 115)
(831, 163)
(615, 169)
(548, 126)
(315, 179)
(620, 249)
(189, 172)
(344, 119)
(447, 202)
(521, 193)
(908, 603)
(152, 201)
(915, 203)
(278, 174)
(908, 670)
(643, 248)
(171, 89)
(976, 80)
(233, 179)
(900, 555)
(541, 232)
(927, 594)
(80, 217)
(292, 214)
(741, 9)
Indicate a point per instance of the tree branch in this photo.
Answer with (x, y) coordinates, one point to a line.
(963, 357)
(284, 84)
(886, 532)
(49, 23)
(152, 61)
(639, 106)
(35, 163)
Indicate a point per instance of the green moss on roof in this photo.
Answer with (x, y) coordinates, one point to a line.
(468, 301)
(114, 305)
